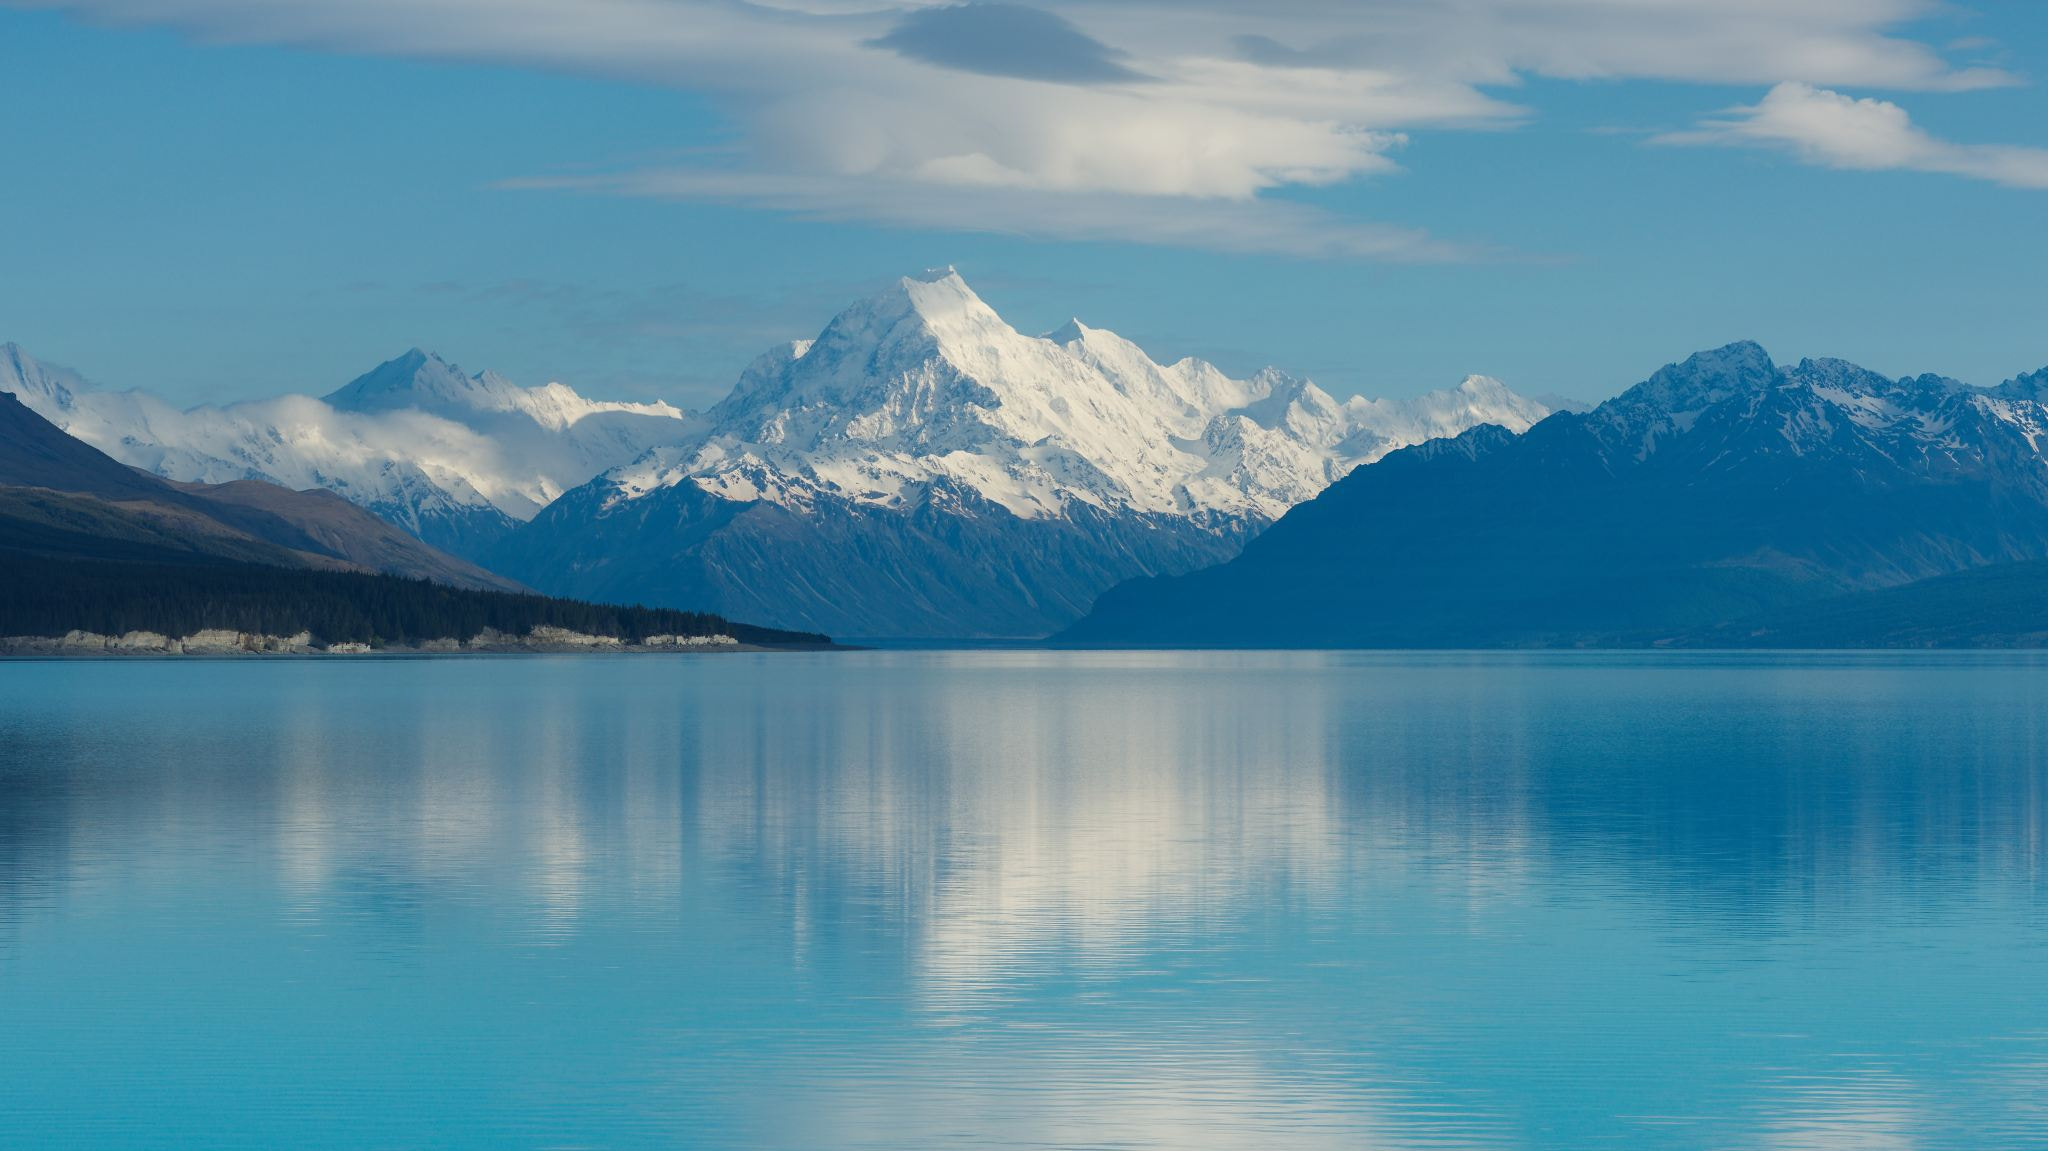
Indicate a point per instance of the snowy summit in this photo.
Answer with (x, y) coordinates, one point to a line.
(924, 382)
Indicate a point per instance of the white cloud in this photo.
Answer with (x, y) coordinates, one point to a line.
(1178, 117)
(1838, 131)
(1019, 134)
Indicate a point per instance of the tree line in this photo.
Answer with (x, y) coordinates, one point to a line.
(49, 597)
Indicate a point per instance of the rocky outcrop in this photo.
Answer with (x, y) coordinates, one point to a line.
(212, 641)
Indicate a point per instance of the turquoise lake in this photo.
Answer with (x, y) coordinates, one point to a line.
(908, 900)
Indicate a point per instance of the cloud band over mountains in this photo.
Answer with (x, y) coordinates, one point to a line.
(1186, 123)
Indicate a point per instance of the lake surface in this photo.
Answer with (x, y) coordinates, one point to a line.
(918, 900)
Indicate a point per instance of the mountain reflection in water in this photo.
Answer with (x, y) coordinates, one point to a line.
(1022, 899)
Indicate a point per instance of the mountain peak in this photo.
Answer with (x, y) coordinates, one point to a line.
(421, 379)
(942, 295)
(1741, 358)
(923, 385)
(914, 317)
(2029, 386)
(1704, 379)
(402, 381)
(1069, 332)
(407, 364)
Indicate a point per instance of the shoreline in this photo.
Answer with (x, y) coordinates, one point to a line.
(10, 655)
(223, 643)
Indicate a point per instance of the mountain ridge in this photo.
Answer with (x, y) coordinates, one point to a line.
(1722, 486)
(899, 387)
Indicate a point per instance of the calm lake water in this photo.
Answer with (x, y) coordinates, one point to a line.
(1024, 900)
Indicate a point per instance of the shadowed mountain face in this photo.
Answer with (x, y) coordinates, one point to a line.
(1720, 489)
(952, 565)
(62, 498)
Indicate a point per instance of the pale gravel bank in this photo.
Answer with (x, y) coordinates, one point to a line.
(222, 642)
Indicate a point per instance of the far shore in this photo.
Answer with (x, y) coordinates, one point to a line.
(12, 654)
(227, 644)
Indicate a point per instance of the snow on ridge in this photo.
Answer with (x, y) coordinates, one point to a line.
(420, 380)
(919, 386)
(1818, 408)
(924, 383)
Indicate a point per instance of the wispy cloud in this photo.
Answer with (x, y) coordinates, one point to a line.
(1160, 121)
(1837, 131)
(1213, 224)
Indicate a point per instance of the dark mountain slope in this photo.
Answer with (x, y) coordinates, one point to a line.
(839, 565)
(1721, 488)
(36, 453)
(1999, 606)
(324, 523)
(57, 525)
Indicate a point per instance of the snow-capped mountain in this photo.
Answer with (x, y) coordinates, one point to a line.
(1720, 488)
(923, 468)
(925, 383)
(455, 459)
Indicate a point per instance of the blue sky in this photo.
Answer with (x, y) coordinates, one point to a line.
(229, 198)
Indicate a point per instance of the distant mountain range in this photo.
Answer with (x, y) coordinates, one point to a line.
(457, 460)
(91, 548)
(920, 469)
(923, 469)
(1725, 501)
(60, 498)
